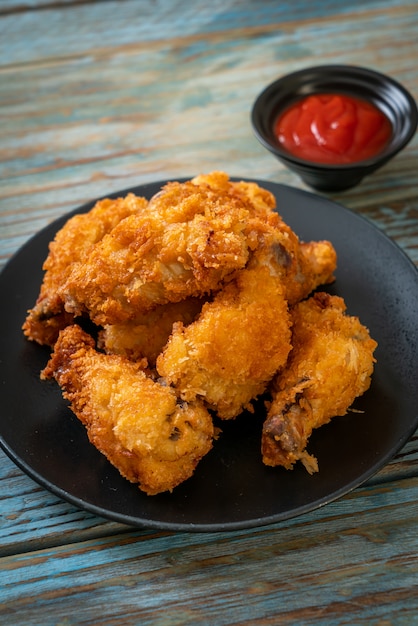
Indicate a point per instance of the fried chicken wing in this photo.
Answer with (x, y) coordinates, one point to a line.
(147, 336)
(261, 200)
(140, 425)
(71, 243)
(329, 366)
(302, 266)
(189, 241)
(316, 264)
(228, 355)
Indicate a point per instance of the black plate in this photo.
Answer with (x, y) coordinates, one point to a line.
(231, 487)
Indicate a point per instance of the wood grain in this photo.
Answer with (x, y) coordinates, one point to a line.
(99, 96)
(103, 119)
(240, 577)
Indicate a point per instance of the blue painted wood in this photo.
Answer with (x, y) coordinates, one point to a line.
(78, 126)
(99, 96)
(82, 26)
(309, 570)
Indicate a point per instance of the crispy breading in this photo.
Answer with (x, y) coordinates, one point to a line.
(200, 296)
(261, 200)
(140, 425)
(189, 241)
(228, 355)
(316, 264)
(330, 365)
(70, 245)
(147, 336)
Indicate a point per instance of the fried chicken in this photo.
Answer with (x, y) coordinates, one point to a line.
(199, 296)
(261, 200)
(147, 336)
(228, 355)
(188, 243)
(127, 256)
(140, 425)
(191, 240)
(329, 366)
(71, 243)
(301, 266)
(316, 264)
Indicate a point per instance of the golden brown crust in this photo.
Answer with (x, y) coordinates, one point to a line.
(138, 424)
(190, 240)
(331, 364)
(228, 355)
(196, 284)
(146, 337)
(70, 246)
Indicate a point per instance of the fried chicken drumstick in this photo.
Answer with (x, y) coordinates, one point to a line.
(329, 366)
(141, 426)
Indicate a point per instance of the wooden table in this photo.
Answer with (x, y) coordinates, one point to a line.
(99, 96)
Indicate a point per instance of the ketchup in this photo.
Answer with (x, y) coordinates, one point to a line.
(333, 128)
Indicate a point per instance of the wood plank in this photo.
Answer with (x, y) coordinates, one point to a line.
(353, 561)
(32, 518)
(93, 125)
(59, 34)
(22, 6)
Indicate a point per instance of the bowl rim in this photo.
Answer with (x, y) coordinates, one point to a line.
(346, 73)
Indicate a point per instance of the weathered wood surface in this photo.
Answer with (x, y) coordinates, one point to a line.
(308, 570)
(100, 96)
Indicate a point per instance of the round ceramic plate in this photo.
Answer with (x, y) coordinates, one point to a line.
(231, 488)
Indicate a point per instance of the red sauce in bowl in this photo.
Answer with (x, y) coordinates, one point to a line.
(333, 128)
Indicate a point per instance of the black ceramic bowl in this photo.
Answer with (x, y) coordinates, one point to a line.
(382, 91)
